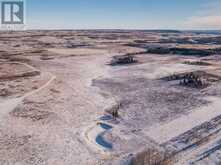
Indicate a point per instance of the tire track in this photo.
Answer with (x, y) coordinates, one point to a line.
(9, 105)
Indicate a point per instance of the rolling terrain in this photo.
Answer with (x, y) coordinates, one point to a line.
(110, 97)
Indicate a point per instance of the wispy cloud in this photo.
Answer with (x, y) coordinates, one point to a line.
(208, 17)
(204, 22)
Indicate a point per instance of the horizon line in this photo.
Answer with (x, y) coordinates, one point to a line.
(120, 29)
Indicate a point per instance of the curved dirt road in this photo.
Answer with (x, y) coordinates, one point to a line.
(6, 106)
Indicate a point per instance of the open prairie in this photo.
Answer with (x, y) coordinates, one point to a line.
(110, 97)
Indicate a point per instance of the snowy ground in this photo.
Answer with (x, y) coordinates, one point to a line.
(59, 115)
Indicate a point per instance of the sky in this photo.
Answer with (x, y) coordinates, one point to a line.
(124, 14)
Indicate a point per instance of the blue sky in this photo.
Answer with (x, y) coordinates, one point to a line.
(124, 14)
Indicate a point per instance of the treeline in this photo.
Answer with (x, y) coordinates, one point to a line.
(184, 51)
